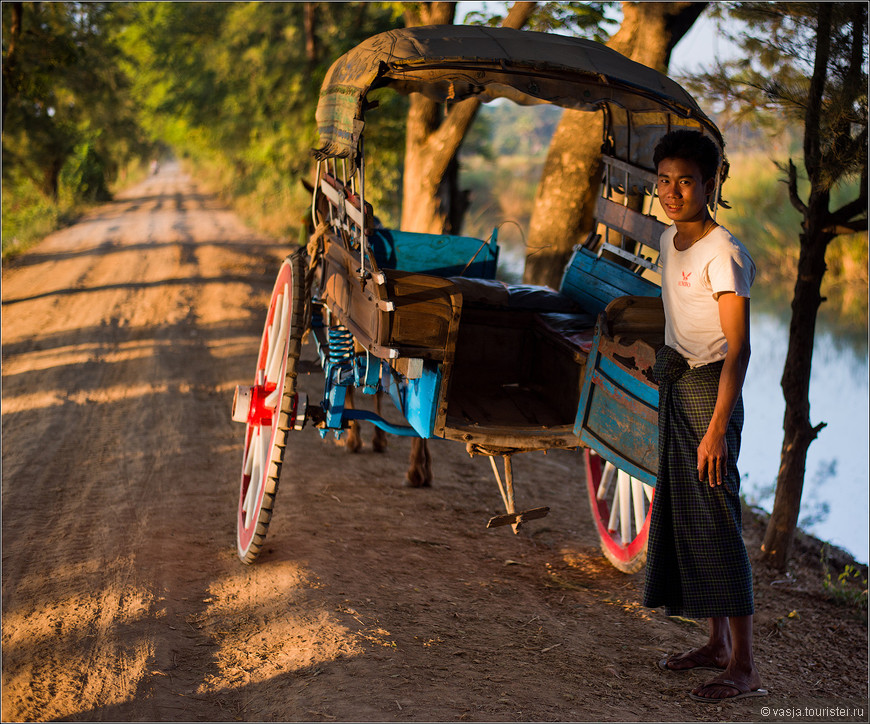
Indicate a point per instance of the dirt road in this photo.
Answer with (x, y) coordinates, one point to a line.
(123, 599)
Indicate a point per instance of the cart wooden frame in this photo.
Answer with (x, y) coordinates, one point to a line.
(500, 368)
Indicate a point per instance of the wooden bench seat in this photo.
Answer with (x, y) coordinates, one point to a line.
(555, 315)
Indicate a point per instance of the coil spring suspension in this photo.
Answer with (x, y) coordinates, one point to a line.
(340, 345)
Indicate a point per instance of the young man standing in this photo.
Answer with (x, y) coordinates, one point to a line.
(697, 564)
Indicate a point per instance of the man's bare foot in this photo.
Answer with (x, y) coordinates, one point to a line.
(730, 684)
(700, 658)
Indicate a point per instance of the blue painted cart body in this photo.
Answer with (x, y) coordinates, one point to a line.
(615, 413)
(422, 318)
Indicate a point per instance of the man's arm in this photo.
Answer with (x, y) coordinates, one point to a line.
(713, 452)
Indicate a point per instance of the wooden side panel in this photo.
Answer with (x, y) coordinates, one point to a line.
(359, 307)
(618, 415)
(413, 315)
(424, 309)
(593, 282)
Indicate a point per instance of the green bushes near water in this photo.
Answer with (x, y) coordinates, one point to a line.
(762, 217)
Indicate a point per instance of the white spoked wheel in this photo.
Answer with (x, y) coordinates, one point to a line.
(271, 407)
(621, 507)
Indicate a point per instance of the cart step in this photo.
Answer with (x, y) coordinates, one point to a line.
(517, 518)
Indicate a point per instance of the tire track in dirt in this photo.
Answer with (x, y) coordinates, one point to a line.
(112, 453)
(123, 599)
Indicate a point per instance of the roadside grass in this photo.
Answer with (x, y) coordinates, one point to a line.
(28, 215)
(849, 587)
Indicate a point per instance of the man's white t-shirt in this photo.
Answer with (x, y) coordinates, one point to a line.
(692, 281)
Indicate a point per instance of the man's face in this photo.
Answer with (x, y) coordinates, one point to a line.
(681, 190)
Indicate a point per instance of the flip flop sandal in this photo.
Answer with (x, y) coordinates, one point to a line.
(748, 694)
(663, 665)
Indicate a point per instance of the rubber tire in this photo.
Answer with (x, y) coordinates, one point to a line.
(628, 558)
(251, 537)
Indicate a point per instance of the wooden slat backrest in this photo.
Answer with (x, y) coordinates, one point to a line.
(646, 230)
(621, 178)
(594, 282)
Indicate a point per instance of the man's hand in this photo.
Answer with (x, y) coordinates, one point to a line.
(713, 451)
(712, 457)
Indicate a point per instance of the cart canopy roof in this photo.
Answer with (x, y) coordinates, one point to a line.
(449, 63)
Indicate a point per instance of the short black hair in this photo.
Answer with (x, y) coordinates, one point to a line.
(691, 146)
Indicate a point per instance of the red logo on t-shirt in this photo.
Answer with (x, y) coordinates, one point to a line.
(685, 282)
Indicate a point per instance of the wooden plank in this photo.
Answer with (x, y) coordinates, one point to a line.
(593, 282)
(517, 518)
(423, 310)
(649, 178)
(631, 429)
(642, 228)
(587, 439)
(618, 411)
(632, 385)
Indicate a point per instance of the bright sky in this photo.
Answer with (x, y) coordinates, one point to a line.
(700, 48)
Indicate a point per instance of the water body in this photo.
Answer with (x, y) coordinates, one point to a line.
(834, 504)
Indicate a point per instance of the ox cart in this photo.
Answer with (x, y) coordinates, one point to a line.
(500, 368)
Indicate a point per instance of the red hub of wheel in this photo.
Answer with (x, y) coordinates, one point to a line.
(249, 404)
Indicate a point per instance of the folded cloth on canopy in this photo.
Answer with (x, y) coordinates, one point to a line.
(697, 565)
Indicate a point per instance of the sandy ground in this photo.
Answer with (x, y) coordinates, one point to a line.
(123, 599)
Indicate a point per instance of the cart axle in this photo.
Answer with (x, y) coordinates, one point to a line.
(250, 405)
(253, 405)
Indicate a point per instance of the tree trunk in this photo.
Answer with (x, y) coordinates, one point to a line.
(799, 432)
(432, 201)
(310, 37)
(10, 61)
(565, 201)
(814, 239)
(51, 177)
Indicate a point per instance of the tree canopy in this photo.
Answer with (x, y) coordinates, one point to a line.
(65, 97)
(234, 85)
(89, 86)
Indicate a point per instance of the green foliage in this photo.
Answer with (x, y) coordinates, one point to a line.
(850, 586)
(28, 216)
(83, 177)
(769, 84)
(764, 220)
(63, 86)
(233, 87)
(69, 126)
